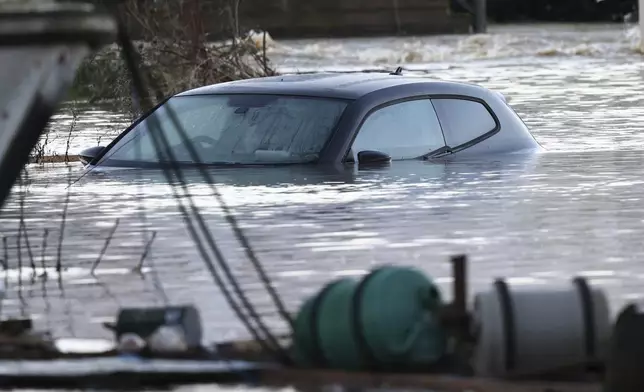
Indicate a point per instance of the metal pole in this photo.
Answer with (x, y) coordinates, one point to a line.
(640, 5)
(480, 16)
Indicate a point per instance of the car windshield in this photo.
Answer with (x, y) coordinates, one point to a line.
(233, 129)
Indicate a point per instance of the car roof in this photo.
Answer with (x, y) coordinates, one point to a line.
(331, 85)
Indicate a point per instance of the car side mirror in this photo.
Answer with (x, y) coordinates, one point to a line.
(369, 157)
(88, 154)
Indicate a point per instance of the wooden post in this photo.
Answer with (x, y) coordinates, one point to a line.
(459, 272)
(480, 16)
(455, 315)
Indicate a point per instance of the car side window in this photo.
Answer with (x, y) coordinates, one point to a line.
(403, 130)
(463, 120)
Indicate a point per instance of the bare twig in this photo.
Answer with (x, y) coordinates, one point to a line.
(62, 227)
(20, 296)
(264, 57)
(108, 292)
(5, 246)
(156, 282)
(22, 227)
(21, 221)
(68, 312)
(29, 252)
(42, 253)
(71, 129)
(105, 246)
(40, 150)
(19, 255)
(45, 296)
(5, 258)
(146, 250)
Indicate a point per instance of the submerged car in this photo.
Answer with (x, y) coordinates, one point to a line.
(320, 119)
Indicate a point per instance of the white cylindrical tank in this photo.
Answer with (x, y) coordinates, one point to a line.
(534, 330)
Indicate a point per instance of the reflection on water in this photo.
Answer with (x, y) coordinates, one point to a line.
(533, 219)
(576, 209)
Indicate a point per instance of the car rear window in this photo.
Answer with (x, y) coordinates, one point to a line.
(463, 120)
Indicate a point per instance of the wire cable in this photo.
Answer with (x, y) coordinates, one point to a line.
(160, 141)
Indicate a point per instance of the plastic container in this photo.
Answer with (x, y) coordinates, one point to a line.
(535, 330)
(145, 321)
(386, 321)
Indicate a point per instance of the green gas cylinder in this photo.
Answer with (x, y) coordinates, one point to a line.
(387, 320)
(323, 323)
(338, 343)
(397, 319)
(302, 348)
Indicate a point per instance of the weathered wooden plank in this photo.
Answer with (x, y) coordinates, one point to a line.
(338, 6)
(446, 26)
(309, 378)
(337, 18)
(353, 18)
(332, 13)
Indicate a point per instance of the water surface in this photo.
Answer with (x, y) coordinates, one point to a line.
(575, 210)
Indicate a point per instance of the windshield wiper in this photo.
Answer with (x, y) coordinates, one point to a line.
(440, 152)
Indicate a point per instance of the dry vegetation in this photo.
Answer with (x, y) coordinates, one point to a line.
(183, 44)
(42, 152)
(180, 51)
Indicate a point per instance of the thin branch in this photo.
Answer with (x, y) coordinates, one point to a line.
(105, 246)
(68, 312)
(5, 258)
(63, 220)
(20, 296)
(108, 292)
(71, 130)
(42, 253)
(5, 245)
(156, 282)
(21, 224)
(29, 252)
(264, 57)
(45, 297)
(19, 254)
(146, 250)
